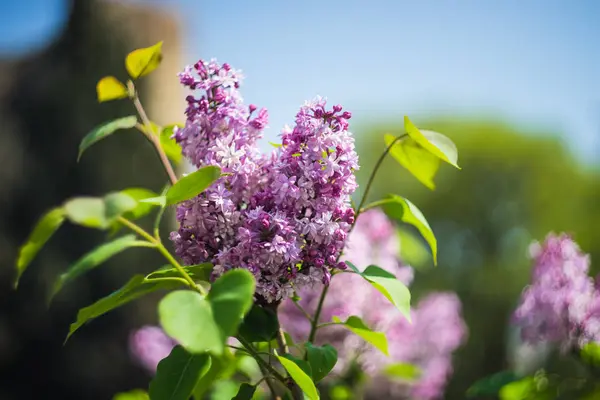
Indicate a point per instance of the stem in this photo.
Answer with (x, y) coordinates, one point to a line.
(246, 351)
(304, 312)
(315, 321)
(171, 279)
(151, 136)
(374, 204)
(328, 324)
(283, 347)
(163, 250)
(260, 361)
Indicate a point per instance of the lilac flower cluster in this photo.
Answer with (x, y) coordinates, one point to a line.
(437, 327)
(562, 303)
(285, 216)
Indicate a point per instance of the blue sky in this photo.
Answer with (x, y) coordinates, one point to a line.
(534, 63)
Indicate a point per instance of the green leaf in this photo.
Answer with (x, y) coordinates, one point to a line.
(358, 327)
(259, 325)
(590, 353)
(177, 375)
(245, 392)
(491, 385)
(188, 317)
(136, 287)
(192, 185)
(322, 359)
(217, 368)
(518, 390)
(403, 371)
(104, 130)
(137, 394)
(418, 161)
(224, 389)
(156, 201)
(434, 142)
(117, 204)
(231, 297)
(276, 145)
(198, 272)
(110, 88)
(94, 258)
(42, 232)
(87, 211)
(141, 208)
(170, 146)
(141, 62)
(392, 288)
(304, 365)
(403, 210)
(300, 377)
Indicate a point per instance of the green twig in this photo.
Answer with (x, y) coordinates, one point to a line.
(260, 361)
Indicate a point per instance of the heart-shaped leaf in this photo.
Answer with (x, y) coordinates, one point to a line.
(322, 359)
(141, 62)
(110, 88)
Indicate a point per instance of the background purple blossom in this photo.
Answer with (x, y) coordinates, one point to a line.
(148, 345)
(562, 303)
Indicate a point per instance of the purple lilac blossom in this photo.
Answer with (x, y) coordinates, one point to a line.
(284, 216)
(148, 345)
(435, 333)
(562, 303)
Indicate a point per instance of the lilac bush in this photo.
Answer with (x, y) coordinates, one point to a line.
(255, 231)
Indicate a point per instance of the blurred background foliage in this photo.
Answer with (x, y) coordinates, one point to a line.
(515, 186)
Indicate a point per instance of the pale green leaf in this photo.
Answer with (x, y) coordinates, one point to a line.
(300, 377)
(137, 394)
(392, 288)
(402, 371)
(418, 161)
(110, 88)
(198, 272)
(359, 328)
(42, 232)
(192, 185)
(104, 130)
(141, 62)
(188, 317)
(434, 142)
(93, 259)
(403, 210)
(170, 146)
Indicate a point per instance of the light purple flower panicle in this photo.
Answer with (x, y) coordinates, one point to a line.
(437, 327)
(284, 217)
(562, 304)
(148, 345)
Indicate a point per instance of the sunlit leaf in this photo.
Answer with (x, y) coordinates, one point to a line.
(418, 161)
(322, 359)
(137, 287)
(518, 390)
(300, 377)
(434, 142)
(403, 210)
(87, 211)
(104, 130)
(392, 288)
(177, 375)
(132, 395)
(93, 259)
(188, 317)
(110, 88)
(42, 232)
(491, 385)
(141, 62)
(192, 185)
(402, 371)
(141, 208)
(358, 327)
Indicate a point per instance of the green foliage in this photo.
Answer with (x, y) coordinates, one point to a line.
(435, 143)
(104, 130)
(419, 162)
(93, 259)
(110, 88)
(218, 369)
(302, 379)
(192, 185)
(359, 328)
(231, 297)
(169, 145)
(402, 371)
(198, 272)
(245, 392)
(99, 213)
(177, 375)
(518, 390)
(403, 210)
(590, 354)
(42, 232)
(259, 325)
(136, 287)
(322, 359)
(491, 385)
(141, 209)
(137, 394)
(188, 317)
(388, 285)
(141, 62)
